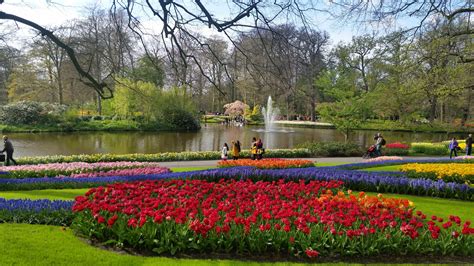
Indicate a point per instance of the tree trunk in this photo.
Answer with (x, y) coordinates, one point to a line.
(99, 104)
(433, 104)
(60, 89)
(467, 107)
(313, 111)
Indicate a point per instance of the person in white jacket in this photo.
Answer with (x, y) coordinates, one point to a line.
(224, 152)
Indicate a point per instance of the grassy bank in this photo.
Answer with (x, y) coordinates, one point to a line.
(379, 125)
(95, 125)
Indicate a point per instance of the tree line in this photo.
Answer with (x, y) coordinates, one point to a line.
(408, 76)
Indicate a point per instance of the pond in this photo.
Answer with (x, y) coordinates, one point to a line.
(210, 137)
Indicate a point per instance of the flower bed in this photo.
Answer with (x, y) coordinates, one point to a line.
(396, 149)
(363, 165)
(266, 218)
(397, 145)
(429, 148)
(81, 169)
(56, 212)
(267, 163)
(385, 158)
(452, 172)
(158, 157)
(389, 182)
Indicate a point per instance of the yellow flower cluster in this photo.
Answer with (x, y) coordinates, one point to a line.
(441, 169)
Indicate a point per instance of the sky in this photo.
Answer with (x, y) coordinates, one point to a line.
(55, 12)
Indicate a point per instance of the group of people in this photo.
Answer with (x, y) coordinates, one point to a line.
(237, 121)
(454, 147)
(235, 152)
(256, 151)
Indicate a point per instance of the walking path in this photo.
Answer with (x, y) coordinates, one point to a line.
(213, 163)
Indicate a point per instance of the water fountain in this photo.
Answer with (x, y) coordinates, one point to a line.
(269, 115)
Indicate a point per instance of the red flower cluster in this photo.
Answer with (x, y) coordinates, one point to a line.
(288, 212)
(397, 145)
(270, 163)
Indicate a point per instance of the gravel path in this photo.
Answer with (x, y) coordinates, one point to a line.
(213, 163)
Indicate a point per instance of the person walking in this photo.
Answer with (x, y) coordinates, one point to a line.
(8, 147)
(235, 150)
(259, 149)
(224, 152)
(253, 149)
(453, 146)
(380, 141)
(469, 145)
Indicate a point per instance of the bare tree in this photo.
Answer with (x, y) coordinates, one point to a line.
(178, 19)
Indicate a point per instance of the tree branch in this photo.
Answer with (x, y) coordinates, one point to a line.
(102, 88)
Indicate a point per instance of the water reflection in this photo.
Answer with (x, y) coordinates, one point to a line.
(211, 137)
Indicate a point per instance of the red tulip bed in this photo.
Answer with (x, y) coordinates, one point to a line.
(308, 220)
(271, 163)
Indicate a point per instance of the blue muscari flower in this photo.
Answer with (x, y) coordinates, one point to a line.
(35, 205)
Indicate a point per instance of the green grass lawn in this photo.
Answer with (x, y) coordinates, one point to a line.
(383, 168)
(188, 169)
(329, 164)
(52, 194)
(24, 244)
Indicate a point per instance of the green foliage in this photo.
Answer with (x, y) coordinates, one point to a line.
(153, 107)
(27, 113)
(61, 217)
(175, 109)
(134, 98)
(149, 70)
(332, 149)
(336, 87)
(429, 148)
(254, 114)
(345, 115)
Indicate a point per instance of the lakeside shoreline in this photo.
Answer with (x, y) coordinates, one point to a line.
(102, 126)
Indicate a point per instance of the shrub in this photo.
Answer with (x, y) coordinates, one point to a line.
(21, 113)
(332, 149)
(27, 112)
(179, 118)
